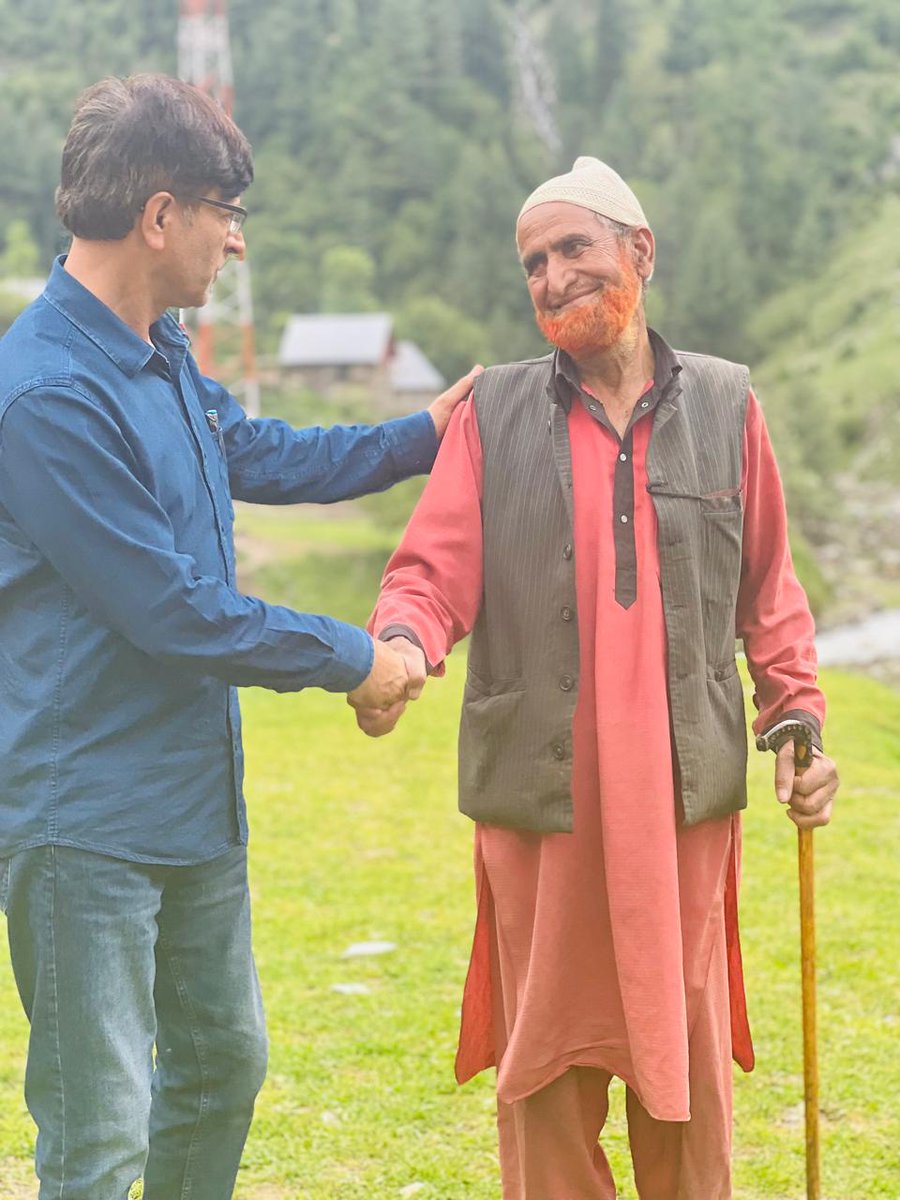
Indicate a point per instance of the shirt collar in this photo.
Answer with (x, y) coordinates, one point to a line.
(566, 381)
(107, 331)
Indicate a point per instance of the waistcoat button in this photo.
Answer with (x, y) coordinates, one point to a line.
(567, 550)
(559, 751)
(566, 613)
(566, 683)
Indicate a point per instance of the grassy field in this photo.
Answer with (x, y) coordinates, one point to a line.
(356, 840)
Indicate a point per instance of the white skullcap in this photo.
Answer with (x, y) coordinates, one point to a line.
(591, 184)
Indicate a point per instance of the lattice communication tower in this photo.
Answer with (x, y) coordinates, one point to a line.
(225, 336)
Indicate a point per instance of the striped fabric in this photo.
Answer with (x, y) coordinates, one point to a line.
(515, 745)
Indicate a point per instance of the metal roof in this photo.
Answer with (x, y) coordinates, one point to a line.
(336, 340)
(411, 371)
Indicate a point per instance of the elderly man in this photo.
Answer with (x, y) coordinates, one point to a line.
(122, 632)
(604, 520)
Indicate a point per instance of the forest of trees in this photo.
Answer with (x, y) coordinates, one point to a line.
(411, 130)
(396, 139)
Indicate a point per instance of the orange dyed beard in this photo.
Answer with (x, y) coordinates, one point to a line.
(599, 323)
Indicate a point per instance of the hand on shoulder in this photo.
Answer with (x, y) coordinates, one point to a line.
(443, 407)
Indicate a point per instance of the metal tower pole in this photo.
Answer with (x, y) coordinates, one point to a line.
(204, 59)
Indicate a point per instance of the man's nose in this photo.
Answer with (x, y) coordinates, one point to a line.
(559, 277)
(236, 245)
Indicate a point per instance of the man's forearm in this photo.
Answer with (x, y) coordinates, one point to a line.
(271, 463)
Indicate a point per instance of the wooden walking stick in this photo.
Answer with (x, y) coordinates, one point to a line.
(802, 759)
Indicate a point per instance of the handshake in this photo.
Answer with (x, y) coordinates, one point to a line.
(398, 675)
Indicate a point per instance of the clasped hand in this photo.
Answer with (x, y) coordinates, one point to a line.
(810, 796)
(398, 675)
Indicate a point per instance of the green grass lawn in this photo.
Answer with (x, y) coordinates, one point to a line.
(356, 840)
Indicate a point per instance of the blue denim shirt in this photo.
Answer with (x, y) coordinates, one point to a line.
(122, 632)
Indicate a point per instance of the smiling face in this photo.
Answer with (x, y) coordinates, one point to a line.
(584, 280)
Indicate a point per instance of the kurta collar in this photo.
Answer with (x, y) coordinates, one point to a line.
(566, 381)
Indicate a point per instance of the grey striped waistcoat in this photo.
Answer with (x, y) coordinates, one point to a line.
(515, 742)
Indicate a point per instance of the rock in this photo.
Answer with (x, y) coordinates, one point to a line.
(365, 949)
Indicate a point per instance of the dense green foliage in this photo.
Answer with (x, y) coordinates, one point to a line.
(412, 129)
(834, 353)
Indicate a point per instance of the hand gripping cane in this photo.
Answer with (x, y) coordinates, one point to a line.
(802, 758)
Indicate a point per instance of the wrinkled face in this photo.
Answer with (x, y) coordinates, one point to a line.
(583, 280)
(202, 247)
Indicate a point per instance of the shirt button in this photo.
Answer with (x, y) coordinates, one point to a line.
(623, 519)
(623, 458)
(566, 683)
(559, 751)
(566, 613)
(567, 550)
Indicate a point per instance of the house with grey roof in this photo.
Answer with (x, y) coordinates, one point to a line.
(330, 352)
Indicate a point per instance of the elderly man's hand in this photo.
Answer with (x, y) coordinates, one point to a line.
(416, 666)
(810, 796)
(442, 409)
(386, 684)
(376, 722)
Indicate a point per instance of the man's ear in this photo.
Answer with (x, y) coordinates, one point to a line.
(644, 250)
(155, 219)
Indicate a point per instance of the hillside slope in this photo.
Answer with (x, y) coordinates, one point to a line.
(830, 385)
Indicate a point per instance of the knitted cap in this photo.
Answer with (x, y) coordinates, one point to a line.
(591, 184)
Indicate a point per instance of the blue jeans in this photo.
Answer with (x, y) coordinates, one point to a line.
(111, 957)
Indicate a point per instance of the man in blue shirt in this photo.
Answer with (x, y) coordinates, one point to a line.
(122, 639)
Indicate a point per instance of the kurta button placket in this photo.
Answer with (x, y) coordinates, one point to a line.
(624, 522)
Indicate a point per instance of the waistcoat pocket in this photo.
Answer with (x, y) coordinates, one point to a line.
(479, 686)
(490, 724)
(719, 507)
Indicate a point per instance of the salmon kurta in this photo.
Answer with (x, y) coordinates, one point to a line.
(605, 941)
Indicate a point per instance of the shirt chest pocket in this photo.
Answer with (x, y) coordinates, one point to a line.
(219, 461)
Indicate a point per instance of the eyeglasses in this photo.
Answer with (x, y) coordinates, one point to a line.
(238, 214)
